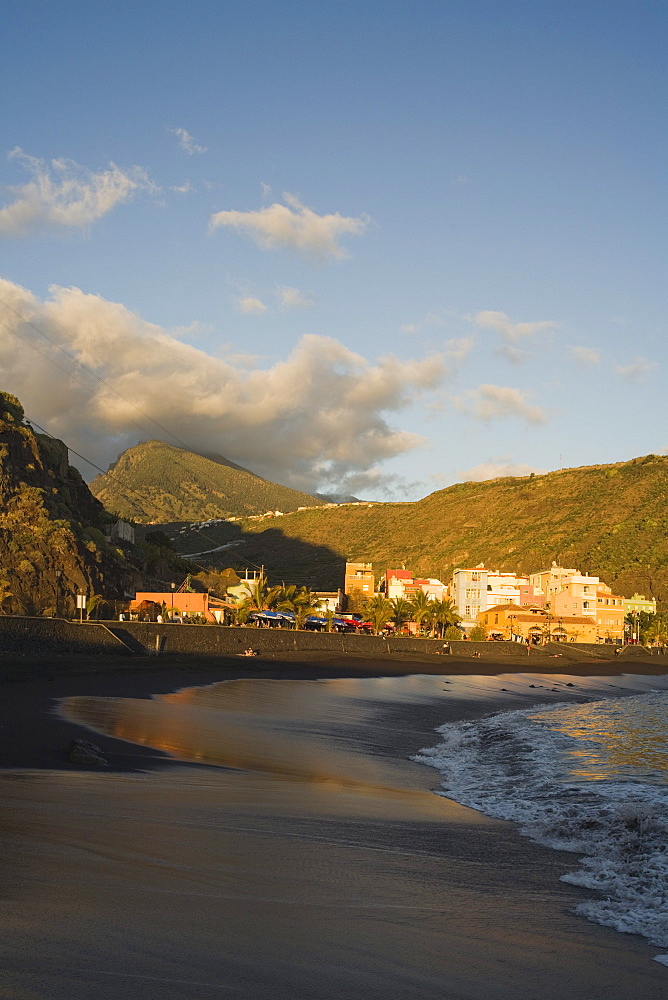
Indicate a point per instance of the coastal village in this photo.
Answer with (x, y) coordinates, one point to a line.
(557, 604)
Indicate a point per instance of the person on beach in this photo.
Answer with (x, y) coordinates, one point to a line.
(528, 645)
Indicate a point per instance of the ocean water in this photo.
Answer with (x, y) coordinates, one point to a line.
(590, 778)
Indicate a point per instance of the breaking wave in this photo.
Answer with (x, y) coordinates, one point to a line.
(589, 778)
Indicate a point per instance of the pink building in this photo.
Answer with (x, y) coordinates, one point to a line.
(531, 597)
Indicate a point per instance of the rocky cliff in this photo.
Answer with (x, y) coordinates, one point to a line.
(52, 530)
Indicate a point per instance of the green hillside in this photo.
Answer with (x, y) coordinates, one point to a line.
(158, 482)
(610, 520)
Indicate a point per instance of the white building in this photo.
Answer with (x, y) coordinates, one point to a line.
(475, 589)
(468, 592)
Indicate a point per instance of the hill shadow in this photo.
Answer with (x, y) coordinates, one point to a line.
(283, 557)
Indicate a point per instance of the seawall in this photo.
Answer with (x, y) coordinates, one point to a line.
(56, 636)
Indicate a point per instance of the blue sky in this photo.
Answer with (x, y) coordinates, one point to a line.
(376, 247)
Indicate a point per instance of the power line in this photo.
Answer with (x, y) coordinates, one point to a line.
(99, 378)
(124, 489)
(108, 385)
(90, 371)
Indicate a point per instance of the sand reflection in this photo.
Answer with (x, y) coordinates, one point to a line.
(296, 730)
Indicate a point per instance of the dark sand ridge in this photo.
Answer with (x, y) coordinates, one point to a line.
(346, 878)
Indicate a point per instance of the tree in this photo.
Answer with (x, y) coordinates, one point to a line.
(444, 614)
(216, 582)
(402, 612)
(241, 613)
(422, 609)
(452, 634)
(478, 633)
(256, 593)
(298, 600)
(379, 611)
(356, 601)
(159, 539)
(93, 603)
(5, 592)
(305, 604)
(657, 632)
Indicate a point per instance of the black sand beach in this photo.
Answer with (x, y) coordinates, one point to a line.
(311, 860)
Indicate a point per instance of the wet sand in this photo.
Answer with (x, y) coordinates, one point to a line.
(291, 849)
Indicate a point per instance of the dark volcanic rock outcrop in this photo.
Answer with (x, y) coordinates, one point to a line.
(52, 540)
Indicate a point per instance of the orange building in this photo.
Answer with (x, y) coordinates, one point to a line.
(507, 621)
(610, 613)
(175, 604)
(359, 577)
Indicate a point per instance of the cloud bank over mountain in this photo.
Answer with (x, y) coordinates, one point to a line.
(98, 375)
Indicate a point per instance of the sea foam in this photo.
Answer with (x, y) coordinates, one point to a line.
(590, 779)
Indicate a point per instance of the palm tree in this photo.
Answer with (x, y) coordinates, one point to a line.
(305, 604)
(241, 613)
(257, 591)
(92, 604)
(445, 614)
(402, 612)
(330, 616)
(379, 611)
(422, 608)
(298, 600)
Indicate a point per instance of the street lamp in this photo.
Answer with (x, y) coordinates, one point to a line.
(173, 586)
(512, 619)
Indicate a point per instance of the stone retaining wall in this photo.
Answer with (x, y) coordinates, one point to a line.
(57, 636)
(223, 640)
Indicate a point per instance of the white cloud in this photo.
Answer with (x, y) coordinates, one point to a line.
(293, 298)
(491, 402)
(186, 141)
(637, 371)
(185, 188)
(458, 349)
(317, 419)
(511, 332)
(64, 195)
(585, 355)
(251, 305)
(293, 226)
(265, 189)
(460, 180)
(513, 354)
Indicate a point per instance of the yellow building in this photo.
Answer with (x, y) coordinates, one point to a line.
(639, 603)
(507, 621)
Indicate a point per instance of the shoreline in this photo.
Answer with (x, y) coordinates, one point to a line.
(345, 875)
(33, 735)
